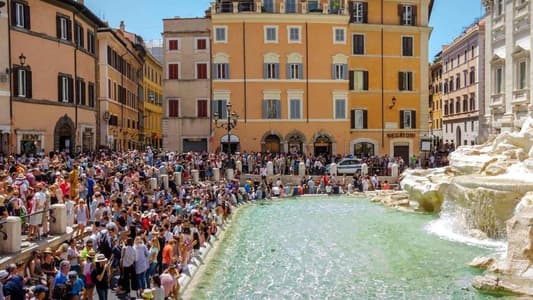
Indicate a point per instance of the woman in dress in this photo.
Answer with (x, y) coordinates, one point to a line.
(81, 212)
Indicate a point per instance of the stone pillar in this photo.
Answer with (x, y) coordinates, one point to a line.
(11, 230)
(301, 169)
(270, 168)
(235, 7)
(238, 165)
(395, 170)
(333, 169)
(229, 174)
(58, 219)
(195, 176)
(216, 174)
(164, 180)
(364, 169)
(153, 183)
(177, 178)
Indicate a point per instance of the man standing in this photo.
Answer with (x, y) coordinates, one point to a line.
(13, 286)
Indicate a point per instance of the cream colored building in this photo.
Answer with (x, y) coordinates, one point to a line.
(5, 111)
(186, 84)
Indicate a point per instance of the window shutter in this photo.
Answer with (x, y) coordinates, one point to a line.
(409, 81)
(70, 90)
(69, 30)
(13, 14)
(278, 109)
(28, 85)
(352, 118)
(226, 71)
(15, 73)
(288, 71)
(365, 119)
(365, 80)
(265, 109)
(265, 71)
(365, 12)
(214, 108)
(82, 42)
(300, 71)
(76, 35)
(58, 27)
(276, 70)
(27, 23)
(333, 71)
(400, 13)
(414, 14)
(59, 89)
(345, 71)
(83, 97)
(214, 73)
(351, 81)
(401, 118)
(413, 119)
(400, 81)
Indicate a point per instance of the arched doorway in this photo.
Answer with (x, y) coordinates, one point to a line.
(458, 140)
(230, 141)
(295, 142)
(322, 145)
(64, 135)
(272, 144)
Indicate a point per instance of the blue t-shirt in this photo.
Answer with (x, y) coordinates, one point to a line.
(77, 287)
(60, 279)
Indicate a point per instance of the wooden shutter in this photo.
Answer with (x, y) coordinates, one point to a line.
(276, 70)
(265, 109)
(413, 119)
(278, 109)
(60, 88)
(91, 94)
(82, 42)
(300, 71)
(27, 23)
(265, 71)
(76, 35)
(351, 83)
(333, 72)
(13, 14)
(288, 71)
(409, 81)
(401, 118)
(400, 13)
(414, 14)
(365, 12)
(400, 81)
(15, 73)
(352, 118)
(58, 27)
(365, 119)
(69, 30)
(365, 80)
(344, 71)
(83, 97)
(226, 71)
(28, 84)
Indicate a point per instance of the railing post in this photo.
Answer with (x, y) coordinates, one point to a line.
(177, 178)
(216, 174)
(301, 169)
(153, 184)
(270, 168)
(235, 7)
(395, 170)
(229, 174)
(164, 180)
(258, 7)
(364, 169)
(238, 166)
(58, 219)
(195, 176)
(11, 235)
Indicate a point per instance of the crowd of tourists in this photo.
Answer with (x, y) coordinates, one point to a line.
(135, 232)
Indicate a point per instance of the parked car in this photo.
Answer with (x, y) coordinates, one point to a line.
(346, 165)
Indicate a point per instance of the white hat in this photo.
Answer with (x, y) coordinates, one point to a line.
(4, 274)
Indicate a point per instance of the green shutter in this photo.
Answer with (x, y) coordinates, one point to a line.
(365, 119)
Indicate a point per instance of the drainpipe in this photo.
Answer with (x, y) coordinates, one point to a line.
(244, 66)
(11, 130)
(210, 108)
(382, 86)
(75, 86)
(307, 71)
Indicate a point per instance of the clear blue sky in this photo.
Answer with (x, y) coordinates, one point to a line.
(144, 17)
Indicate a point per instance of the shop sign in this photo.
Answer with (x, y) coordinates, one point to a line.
(393, 135)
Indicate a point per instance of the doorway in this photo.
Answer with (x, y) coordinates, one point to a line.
(64, 135)
(403, 152)
(322, 145)
(458, 139)
(272, 144)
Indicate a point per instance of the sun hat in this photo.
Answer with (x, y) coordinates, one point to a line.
(48, 250)
(4, 274)
(91, 254)
(148, 294)
(100, 258)
(21, 176)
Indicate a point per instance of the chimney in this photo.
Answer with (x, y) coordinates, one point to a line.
(122, 26)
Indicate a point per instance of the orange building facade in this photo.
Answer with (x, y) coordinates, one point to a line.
(52, 76)
(320, 76)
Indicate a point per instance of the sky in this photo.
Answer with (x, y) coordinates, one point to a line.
(144, 17)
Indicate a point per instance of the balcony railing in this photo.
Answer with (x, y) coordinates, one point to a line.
(297, 7)
(246, 6)
(521, 10)
(520, 97)
(224, 7)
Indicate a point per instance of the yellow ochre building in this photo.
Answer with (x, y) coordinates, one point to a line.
(153, 101)
(321, 77)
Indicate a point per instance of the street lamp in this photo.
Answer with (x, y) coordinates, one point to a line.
(393, 102)
(229, 123)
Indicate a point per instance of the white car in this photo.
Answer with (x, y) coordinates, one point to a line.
(347, 166)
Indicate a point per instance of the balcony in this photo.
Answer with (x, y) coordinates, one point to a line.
(520, 97)
(224, 7)
(498, 21)
(521, 10)
(332, 7)
(496, 103)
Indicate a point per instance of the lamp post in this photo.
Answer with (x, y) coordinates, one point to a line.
(227, 123)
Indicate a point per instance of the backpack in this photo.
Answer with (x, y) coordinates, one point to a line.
(103, 245)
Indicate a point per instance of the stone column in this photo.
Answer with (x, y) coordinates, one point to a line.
(229, 174)
(216, 174)
(270, 168)
(195, 176)
(58, 219)
(395, 170)
(301, 169)
(11, 231)
(164, 180)
(364, 169)
(177, 178)
(333, 169)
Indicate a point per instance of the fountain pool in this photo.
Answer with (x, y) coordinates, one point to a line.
(336, 248)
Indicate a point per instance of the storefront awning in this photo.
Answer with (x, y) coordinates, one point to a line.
(232, 139)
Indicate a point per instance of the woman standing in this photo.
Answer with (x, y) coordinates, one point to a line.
(154, 251)
(100, 276)
(141, 264)
(81, 212)
(88, 267)
(128, 255)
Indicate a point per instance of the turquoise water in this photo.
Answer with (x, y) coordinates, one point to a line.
(336, 248)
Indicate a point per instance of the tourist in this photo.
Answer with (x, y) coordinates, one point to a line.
(87, 269)
(39, 292)
(4, 275)
(75, 286)
(81, 213)
(100, 276)
(154, 252)
(142, 264)
(59, 289)
(128, 275)
(13, 286)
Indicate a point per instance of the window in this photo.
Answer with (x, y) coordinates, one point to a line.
(63, 27)
(201, 71)
(271, 34)
(268, 6)
(359, 119)
(20, 15)
(271, 71)
(90, 42)
(91, 94)
(472, 102)
(290, 6)
(358, 80)
(173, 71)
(405, 81)
(472, 127)
(294, 71)
(80, 92)
(272, 109)
(472, 76)
(340, 109)
(313, 6)
(339, 71)
(498, 7)
(358, 44)
(407, 14)
(407, 46)
(221, 71)
(457, 81)
(219, 109)
(201, 44)
(173, 45)
(173, 108)
(22, 86)
(359, 12)
(65, 88)
(446, 108)
(201, 108)
(522, 75)
(451, 110)
(465, 103)
(498, 80)
(339, 36)
(458, 105)
(294, 34)
(79, 35)
(221, 34)
(408, 119)
(295, 109)
(451, 85)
